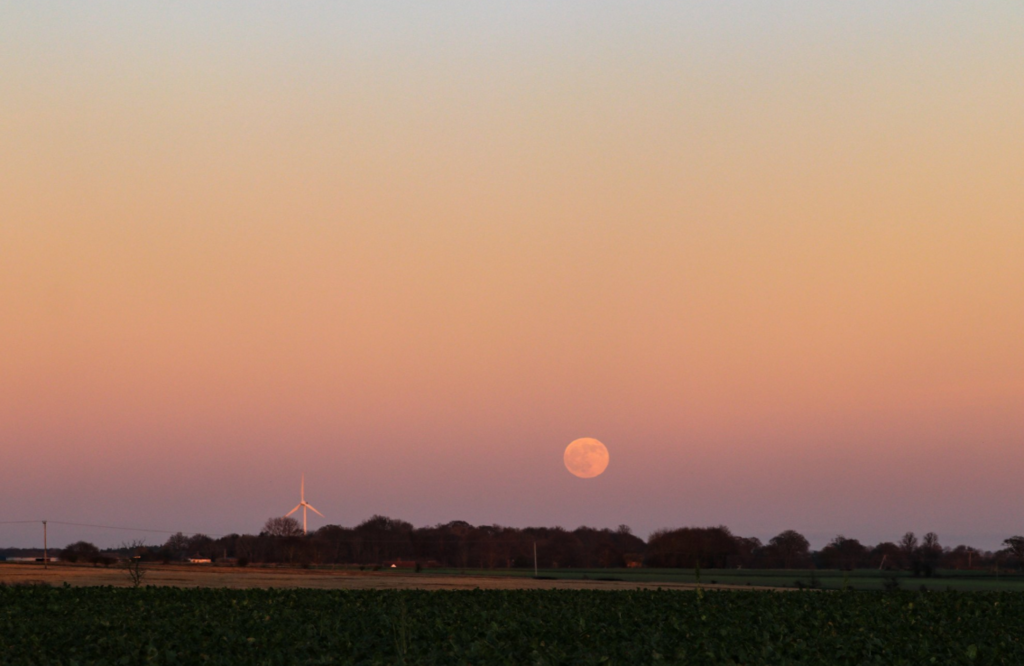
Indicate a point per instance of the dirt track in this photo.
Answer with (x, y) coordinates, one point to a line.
(234, 577)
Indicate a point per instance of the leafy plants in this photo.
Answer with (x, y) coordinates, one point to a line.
(150, 625)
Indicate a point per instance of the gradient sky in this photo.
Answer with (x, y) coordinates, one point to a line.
(770, 253)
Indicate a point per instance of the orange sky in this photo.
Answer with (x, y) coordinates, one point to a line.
(772, 258)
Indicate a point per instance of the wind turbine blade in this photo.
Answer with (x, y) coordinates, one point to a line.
(293, 511)
(315, 511)
(302, 488)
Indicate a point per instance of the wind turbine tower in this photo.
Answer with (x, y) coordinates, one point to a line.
(303, 505)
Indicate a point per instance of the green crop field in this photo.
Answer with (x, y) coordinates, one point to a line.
(66, 626)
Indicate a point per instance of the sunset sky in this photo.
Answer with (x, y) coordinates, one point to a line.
(771, 253)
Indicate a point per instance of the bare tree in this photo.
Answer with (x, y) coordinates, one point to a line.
(930, 553)
(133, 565)
(282, 527)
(908, 548)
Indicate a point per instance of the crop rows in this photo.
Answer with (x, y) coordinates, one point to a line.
(201, 626)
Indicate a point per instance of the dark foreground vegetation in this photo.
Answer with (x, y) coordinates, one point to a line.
(42, 626)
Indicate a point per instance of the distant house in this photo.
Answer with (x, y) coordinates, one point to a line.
(634, 561)
(411, 564)
(200, 560)
(400, 564)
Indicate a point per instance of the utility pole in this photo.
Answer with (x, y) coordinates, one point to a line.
(534, 559)
(45, 555)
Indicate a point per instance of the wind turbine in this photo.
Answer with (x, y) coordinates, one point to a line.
(303, 505)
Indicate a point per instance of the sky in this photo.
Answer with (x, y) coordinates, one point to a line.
(769, 253)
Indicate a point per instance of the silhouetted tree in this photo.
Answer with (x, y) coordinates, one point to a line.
(791, 548)
(963, 557)
(908, 550)
(249, 548)
(81, 551)
(885, 555)
(381, 538)
(1015, 545)
(689, 547)
(200, 545)
(843, 553)
(284, 526)
(563, 549)
(175, 548)
(929, 554)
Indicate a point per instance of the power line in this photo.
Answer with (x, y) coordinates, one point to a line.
(106, 527)
(133, 529)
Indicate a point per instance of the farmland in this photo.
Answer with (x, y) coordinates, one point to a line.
(328, 577)
(178, 575)
(103, 625)
(825, 579)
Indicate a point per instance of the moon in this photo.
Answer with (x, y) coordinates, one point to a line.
(586, 457)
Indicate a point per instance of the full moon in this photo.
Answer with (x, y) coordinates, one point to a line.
(586, 458)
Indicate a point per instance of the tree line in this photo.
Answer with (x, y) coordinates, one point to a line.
(717, 547)
(382, 541)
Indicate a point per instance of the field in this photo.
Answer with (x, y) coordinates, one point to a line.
(285, 577)
(103, 625)
(508, 579)
(826, 579)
